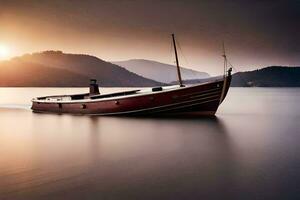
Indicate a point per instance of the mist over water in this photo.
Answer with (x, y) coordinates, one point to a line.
(250, 150)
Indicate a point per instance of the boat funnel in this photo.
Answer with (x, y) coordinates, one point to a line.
(94, 89)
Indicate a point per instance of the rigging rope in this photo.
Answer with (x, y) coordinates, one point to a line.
(171, 53)
(228, 62)
(184, 57)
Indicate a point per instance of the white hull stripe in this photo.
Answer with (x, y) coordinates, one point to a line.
(206, 94)
(185, 103)
(151, 109)
(201, 92)
(185, 106)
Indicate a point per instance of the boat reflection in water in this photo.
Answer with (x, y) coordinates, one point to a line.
(74, 156)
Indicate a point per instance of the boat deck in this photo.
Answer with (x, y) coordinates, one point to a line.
(86, 96)
(118, 95)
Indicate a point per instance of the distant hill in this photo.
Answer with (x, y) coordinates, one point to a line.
(196, 81)
(57, 69)
(18, 73)
(159, 71)
(274, 76)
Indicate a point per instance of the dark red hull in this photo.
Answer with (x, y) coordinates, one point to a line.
(196, 99)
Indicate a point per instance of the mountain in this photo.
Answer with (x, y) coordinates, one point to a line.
(159, 71)
(16, 73)
(58, 69)
(196, 81)
(274, 76)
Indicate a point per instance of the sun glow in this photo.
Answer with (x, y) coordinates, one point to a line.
(4, 52)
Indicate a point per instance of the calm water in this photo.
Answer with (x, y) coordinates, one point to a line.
(249, 151)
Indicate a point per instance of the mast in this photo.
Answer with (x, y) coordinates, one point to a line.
(225, 78)
(177, 63)
(225, 60)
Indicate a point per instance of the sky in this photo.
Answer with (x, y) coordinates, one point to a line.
(256, 33)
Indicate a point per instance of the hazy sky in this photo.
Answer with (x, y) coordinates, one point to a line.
(256, 33)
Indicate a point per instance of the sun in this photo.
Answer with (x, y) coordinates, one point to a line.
(4, 52)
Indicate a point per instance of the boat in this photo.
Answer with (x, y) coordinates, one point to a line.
(195, 99)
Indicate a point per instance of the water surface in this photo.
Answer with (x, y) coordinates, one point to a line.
(250, 150)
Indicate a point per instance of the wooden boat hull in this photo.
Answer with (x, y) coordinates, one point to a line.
(201, 99)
